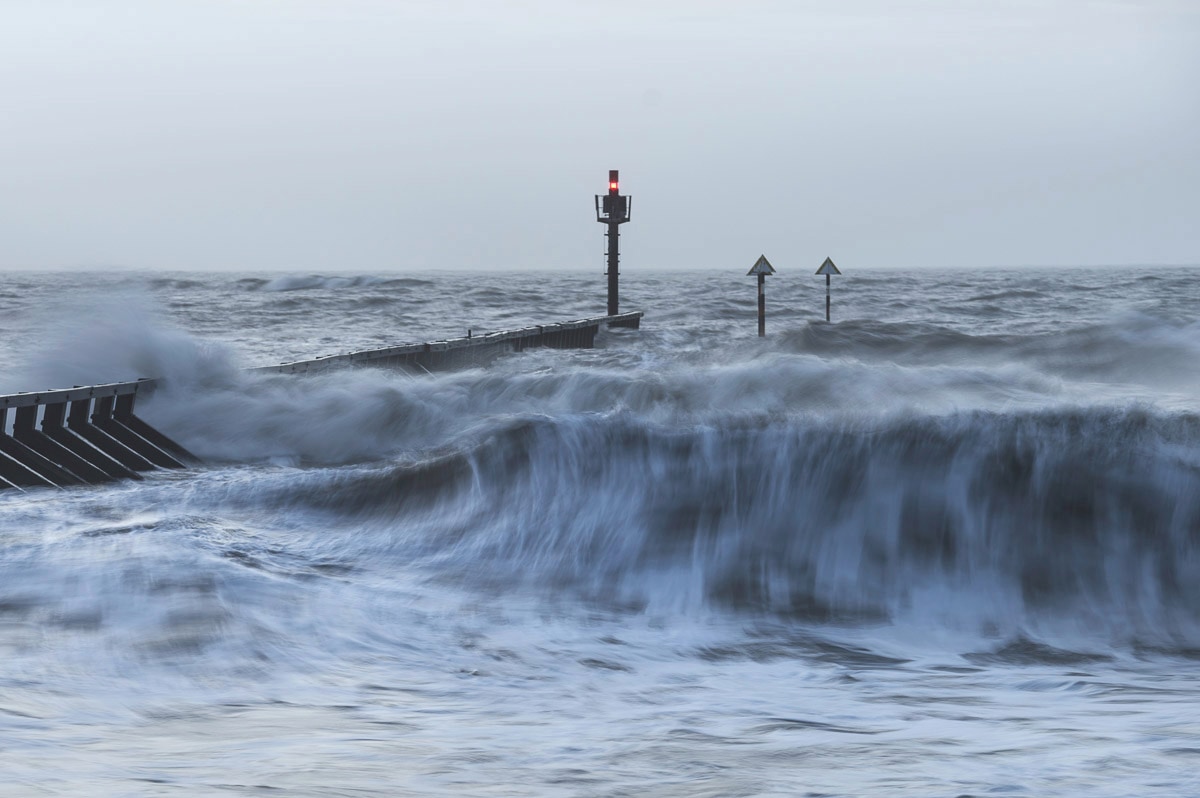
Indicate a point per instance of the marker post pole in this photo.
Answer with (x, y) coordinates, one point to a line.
(762, 267)
(827, 278)
(827, 269)
(762, 306)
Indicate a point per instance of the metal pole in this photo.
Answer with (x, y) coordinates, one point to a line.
(827, 297)
(762, 306)
(614, 232)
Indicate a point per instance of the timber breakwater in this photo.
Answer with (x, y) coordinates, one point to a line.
(90, 434)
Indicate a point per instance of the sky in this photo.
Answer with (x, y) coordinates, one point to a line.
(422, 135)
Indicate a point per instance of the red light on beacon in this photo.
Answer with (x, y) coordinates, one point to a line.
(612, 181)
(612, 186)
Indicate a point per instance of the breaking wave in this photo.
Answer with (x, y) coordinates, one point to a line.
(1087, 519)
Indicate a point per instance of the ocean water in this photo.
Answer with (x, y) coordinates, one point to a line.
(948, 545)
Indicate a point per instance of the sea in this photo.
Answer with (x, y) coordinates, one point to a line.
(947, 544)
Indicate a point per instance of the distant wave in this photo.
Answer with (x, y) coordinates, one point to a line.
(312, 281)
(175, 284)
(1012, 294)
(1133, 348)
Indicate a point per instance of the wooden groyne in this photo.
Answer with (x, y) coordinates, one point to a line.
(469, 351)
(88, 435)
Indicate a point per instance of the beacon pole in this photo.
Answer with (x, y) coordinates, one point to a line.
(762, 305)
(762, 267)
(827, 269)
(613, 209)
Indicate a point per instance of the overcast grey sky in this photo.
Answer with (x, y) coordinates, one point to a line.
(369, 135)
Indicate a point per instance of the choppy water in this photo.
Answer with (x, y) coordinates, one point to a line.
(947, 545)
